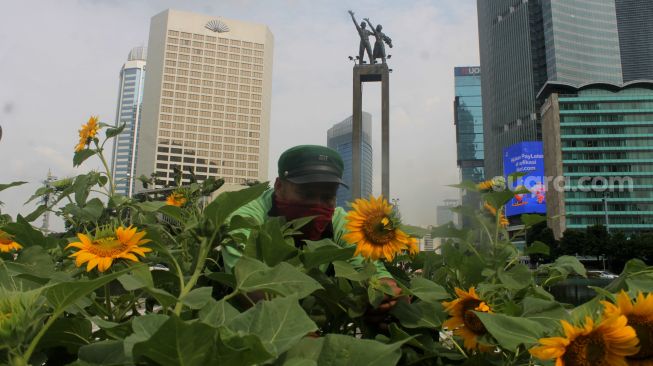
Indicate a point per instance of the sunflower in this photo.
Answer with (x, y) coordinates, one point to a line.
(640, 317)
(503, 221)
(176, 199)
(108, 245)
(604, 344)
(463, 321)
(497, 183)
(7, 243)
(87, 133)
(374, 228)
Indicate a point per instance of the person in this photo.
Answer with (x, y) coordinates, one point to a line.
(308, 180)
(379, 47)
(364, 44)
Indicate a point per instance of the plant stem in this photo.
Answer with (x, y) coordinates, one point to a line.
(106, 168)
(32, 346)
(107, 300)
(203, 253)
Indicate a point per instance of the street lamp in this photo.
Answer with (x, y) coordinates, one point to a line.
(395, 204)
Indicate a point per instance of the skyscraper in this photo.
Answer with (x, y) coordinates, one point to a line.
(523, 44)
(513, 60)
(468, 118)
(206, 105)
(128, 112)
(635, 38)
(339, 138)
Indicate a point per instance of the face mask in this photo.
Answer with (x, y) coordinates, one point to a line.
(314, 229)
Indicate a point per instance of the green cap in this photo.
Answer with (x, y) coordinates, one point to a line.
(311, 164)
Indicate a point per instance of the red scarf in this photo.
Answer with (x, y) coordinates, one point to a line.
(314, 229)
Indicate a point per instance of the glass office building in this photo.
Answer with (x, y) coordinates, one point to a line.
(468, 118)
(339, 138)
(600, 139)
(582, 41)
(130, 97)
(513, 60)
(523, 44)
(634, 18)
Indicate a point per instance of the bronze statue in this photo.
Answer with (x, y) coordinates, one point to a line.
(379, 47)
(365, 42)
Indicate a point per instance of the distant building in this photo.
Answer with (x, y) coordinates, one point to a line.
(599, 138)
(444, 213)
(128, 112)
(426, 244)
(206, 104)
(339, 138)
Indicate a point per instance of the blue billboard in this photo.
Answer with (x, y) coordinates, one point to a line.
(528, 158)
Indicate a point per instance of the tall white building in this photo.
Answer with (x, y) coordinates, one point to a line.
(128, 112)
(206, 105)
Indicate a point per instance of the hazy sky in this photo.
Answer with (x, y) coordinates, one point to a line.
(60, 61)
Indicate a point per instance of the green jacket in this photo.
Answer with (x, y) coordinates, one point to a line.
(258, 210)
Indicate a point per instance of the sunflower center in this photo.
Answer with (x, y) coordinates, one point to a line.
(586, 351)
(107, 247)
(378, 230)
(5, 241)
(471, 320)
(644, 328)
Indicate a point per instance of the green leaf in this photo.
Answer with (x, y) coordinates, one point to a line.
(216, 313)
(105, 353)
(40, 210)
(348, 271)
(342, 350)
(270, 245)
(114, 131)
(65, 294)
(144, 327)
(178, 343)
(151, 206)
(198, 297)
(324, 251)
(546, 312)
(241, 350)
(420, 314)
(39, 193)
(81, 156)
(279, 323)
(70, 333)
(93, 209)
(427, 290)
(532, 219)
(228, 202)
(571, 265)
(511, 332)
(537, 248)
(172, 212)
(517, 277)
(12, 184)
(282, 279)
(139, 277)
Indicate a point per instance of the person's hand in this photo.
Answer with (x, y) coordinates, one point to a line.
(379, 316)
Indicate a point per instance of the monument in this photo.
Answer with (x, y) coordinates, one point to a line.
(372, 71)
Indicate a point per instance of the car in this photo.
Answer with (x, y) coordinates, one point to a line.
(601, 274)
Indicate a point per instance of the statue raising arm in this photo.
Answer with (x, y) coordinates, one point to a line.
(358, 28)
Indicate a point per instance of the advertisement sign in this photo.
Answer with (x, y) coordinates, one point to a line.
(528, 158)
(467, 71)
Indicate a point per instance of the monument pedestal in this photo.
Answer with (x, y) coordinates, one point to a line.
(362, 74)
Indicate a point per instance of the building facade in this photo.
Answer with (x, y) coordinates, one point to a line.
(524, 44)
(128, 112)
(599, 139)
(468, 119)
(206, 104)
(339, 138)
(635, 40)
(444, 214)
